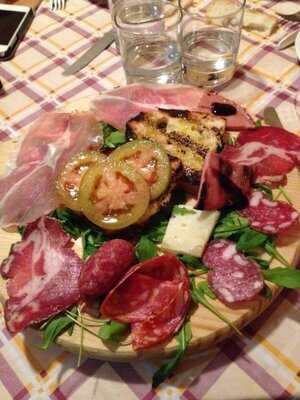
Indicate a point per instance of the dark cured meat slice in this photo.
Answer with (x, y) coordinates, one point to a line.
(43, 273)
(106, 267)
(154, 297)
(270, 151)
(268, 216)
(233, 277)
(223, 183)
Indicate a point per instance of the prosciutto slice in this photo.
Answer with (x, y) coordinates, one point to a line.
(223, 183)
(271, 152)
(124, 103)
(153, 297)
(28, 191)
(43, 275)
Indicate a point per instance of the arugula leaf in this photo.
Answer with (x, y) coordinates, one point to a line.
(198, 296)
(183, 338)
(285, 277)
(231, 140)
(157, 227)
(112, 330)
(112, 137)
(21, 230)
(258, 123)
(145, 249)
(55, 327)
(250, 240)
(72, 223)
(91, 241)
(203, 286)
(282, 192)
(193, 262)
(264, 264)
(182, 210)
(266, 292)
(272, 251)
(265, 189)
(231, 224)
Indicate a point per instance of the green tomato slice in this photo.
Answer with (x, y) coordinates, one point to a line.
(113, 195)
(150, 160)
(68, 182)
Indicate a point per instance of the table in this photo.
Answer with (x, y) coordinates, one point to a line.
(263, 365)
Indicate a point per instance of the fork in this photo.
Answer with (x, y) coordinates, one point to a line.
(55, 5)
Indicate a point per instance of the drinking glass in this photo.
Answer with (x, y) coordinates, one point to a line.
(210, 38)
(148, 32)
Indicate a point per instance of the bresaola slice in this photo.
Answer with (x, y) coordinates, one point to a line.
(154, 297)
(106, 267)
(233, 277)
(223, 183)
(43, 274)
(268, 216)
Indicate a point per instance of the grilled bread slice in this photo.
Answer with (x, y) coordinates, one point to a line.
(185, 135)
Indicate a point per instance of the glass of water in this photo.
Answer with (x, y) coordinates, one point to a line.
(210, 38)
(148, 32)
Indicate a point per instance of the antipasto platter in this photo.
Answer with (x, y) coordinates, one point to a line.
(152, 221)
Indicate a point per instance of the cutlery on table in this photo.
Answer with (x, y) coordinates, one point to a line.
(55, 5)
(100, 45)
(287, 41)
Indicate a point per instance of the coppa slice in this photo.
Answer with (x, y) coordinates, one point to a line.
(153, 294)
(105, 268)
(268, 216)
(43, 274)
(269, 151)
(233, 277)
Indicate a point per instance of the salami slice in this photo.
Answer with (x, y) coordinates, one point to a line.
(153, 296)
(233, 277)
(106, 267)
(268, 216)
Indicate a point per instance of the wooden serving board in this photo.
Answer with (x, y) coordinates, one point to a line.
(207, 329)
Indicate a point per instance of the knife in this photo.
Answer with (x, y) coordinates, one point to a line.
(287, 40)
(271, 117)
(100, 45)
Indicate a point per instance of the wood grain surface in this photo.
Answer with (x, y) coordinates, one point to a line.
(207, 329)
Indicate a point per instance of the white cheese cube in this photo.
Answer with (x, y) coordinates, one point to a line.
(188, 233)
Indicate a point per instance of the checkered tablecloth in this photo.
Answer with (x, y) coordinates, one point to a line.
(265, 364)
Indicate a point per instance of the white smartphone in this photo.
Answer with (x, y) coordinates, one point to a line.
(12, 21)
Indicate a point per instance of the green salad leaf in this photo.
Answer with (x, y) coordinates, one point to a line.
(145, 249)
(193, 262)
(91, 241)
(112, 330)
(230, 224)
(183, 339)
(251, 239)
(112, 136)
(265, 189)
(285, 277)
(181, 210)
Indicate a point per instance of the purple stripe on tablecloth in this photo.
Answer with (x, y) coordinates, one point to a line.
(255, 371)
(6, 75)
(75, 28)
(271, 48)
(53, 15)
(129, 375)
(109, 70)
(207, 377)
(150, 396)
(55, 63)
(3, 135)
(76, 379)
(11, 382)
(90, 12)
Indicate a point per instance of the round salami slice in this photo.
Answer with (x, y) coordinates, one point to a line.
(233, 277)
(268, 216)
(154, 297)
(106, 267)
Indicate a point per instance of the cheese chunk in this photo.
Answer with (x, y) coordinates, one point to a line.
(188, 233)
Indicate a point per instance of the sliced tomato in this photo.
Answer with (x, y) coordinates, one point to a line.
(150, 160)
(68, 182)
(113, 195)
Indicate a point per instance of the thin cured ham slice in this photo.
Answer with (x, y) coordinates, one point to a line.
(233, 277)
(43, 275)
(267, 216)
(269, 151)
(106, 267)
(27, 192)
(154, 297)
(223, 183)
(132, 99)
